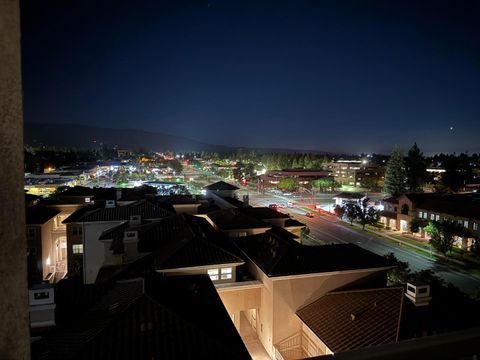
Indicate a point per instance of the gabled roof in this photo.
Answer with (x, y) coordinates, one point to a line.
(178, 317)
(461, 205)
(173, 242)
(143, 208)
(350, 195)
(177, 200)
(350, 320)
(280, 255)
(38, 215)
(199, 252)
(233, 219)
(100, 193)
(264, 213)
(220, 185)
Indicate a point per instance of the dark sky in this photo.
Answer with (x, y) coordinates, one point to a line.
(354, 76)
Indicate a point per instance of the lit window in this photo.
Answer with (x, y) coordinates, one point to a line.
(77, 248)
(475, 226)
(213, 273)
(432, 216)
(226, 273)
(465, 224)
(420, 214)
(437, 217)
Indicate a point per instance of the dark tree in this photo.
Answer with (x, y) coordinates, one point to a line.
(366, 215)
(395, 174)
(351, 211)
(415, 169)
(339, 211)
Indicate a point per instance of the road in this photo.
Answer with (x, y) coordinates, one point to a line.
(326, 230)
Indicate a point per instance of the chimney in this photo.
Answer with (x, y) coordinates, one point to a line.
(119, 194)
(41, 302)
(109, 204)
(135, 220)
(130, 236)
(418, 293)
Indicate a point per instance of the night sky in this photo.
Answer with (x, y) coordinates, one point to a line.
(355, 76)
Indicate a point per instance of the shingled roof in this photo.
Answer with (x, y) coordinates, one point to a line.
(462, 205)
(350, 320)
(233, 219)
(280, 255)
(143, 208)
(173, 318)
(173, 242)
(220, 185)
(264, 213)
(38, 215)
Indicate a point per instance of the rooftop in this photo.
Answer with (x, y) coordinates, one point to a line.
(178, 317)
(350, 320)
(174, 244)
(143, 208)
(264, 213)
(220, 185)
(38, 215)
(462, 205)
(279, 255)
(232, 219)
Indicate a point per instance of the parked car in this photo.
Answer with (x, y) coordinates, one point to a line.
(282, 206)
(273, 206)
(310, 215)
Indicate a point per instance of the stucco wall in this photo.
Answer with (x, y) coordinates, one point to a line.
(93, 249)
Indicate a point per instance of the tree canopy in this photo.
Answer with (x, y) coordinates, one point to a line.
(395, 174)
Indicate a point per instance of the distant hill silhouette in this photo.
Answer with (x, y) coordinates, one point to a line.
(84, 137)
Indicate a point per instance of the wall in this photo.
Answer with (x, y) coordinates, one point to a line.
(93, 249)
(191, 209)
(47, 247)
(237, 299)
(14, 333)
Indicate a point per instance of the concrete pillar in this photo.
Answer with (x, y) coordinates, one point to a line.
(14, 329)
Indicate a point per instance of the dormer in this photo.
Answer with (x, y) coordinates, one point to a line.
(418, 293)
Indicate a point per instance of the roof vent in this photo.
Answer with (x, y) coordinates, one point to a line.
(109, 204)
(130, 236)
(135, 220)
(418, 294)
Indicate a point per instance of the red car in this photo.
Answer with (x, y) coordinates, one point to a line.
(273, 206)
(310, 215)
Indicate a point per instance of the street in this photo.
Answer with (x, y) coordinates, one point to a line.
(326, 230)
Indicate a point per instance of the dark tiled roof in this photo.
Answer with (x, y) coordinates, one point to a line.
(282, 256)
(177, 200)
(143, 208)
(350, 195)
(175, 318)
(293, 222)
(37, 215)
(232, 219)
(264, 213)
(352, 320)
(173, 242)
(199, 252)
(220, 185)
(462, 205)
